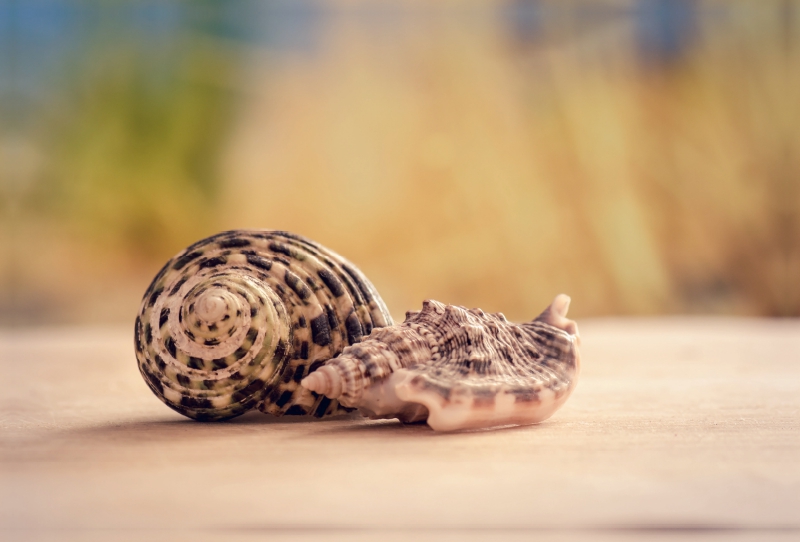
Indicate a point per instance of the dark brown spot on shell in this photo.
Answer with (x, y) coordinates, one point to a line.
(320, 330)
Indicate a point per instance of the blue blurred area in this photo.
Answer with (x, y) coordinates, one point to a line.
(664, 29)
(48, 44)
(644, 129)
(46, 41)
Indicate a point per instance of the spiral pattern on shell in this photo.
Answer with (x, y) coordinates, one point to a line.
(235, 321)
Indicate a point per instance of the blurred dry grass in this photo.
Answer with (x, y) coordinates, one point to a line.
(451, 152)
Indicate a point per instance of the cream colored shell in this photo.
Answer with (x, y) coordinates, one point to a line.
(458, 368)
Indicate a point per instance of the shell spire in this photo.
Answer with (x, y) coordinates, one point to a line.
(458, 368)
(235, 321)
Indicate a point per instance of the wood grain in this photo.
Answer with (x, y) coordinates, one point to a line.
(679, 428)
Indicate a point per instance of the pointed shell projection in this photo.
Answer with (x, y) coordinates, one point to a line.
(235, 321)
(458, 368)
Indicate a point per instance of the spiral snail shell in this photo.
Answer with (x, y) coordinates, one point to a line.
(458, 368)
(236, 320)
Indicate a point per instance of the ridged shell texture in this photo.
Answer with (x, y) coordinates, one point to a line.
(236, 320)
(458, 368)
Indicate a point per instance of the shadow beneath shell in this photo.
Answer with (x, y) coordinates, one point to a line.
(171, 431)
(420, 429)
(259, 418)
(366, 427)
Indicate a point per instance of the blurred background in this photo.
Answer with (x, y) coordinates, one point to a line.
(642, 156)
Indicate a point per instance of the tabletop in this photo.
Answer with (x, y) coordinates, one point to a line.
(680, 428)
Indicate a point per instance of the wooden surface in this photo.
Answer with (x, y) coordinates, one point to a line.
(679, 429)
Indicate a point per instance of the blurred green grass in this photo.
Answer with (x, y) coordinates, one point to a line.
(486, 154)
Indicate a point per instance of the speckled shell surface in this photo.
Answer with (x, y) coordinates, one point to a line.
(458, 368)
(235, 321)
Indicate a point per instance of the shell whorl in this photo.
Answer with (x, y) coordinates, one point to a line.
(236, 320)
(384, 352)
(476, 368)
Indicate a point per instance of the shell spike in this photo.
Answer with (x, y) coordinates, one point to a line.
(325, 380)
(556, 315)
(433, 306)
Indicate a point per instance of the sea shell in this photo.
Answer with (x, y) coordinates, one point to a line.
(236, 320)
(458, 368)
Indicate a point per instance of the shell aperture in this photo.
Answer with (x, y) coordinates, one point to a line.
(458, 368)
(236, 320)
